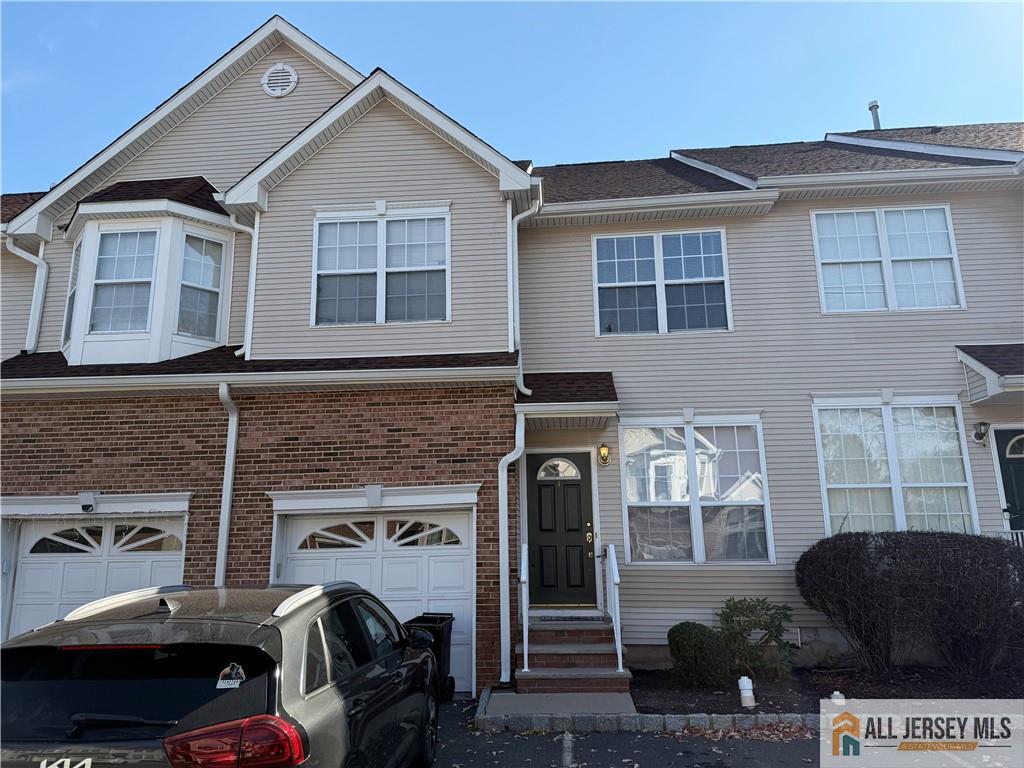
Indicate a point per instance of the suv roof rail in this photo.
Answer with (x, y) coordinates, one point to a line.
(123, 598)
(309, 593)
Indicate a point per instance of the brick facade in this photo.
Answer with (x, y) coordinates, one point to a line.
(287, 441)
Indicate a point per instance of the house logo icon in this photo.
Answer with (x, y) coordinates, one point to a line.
(846, 735)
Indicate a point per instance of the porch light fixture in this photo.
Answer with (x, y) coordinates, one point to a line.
(602, 454)
(981, 429)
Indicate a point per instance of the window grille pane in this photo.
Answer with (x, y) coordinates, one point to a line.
(416, 243)
(848, 236)
(729, 464)
(656, 468)
(626, 259)
(343, 299)
(861, 509)
(347, 245)
(628, 310)
(126, 255)
(853, 286)
(928, 445)
(937, 509)
(197, 312)
(120, 307)
(660, 533)
(202, 262)
(695, 305)
(693, 256)
(415, 296)
(924, 283)
(734, 533)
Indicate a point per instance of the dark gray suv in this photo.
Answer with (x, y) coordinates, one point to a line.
(221, 678)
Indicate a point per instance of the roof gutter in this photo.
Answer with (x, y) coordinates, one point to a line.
(35, 315)
(250, 296)
(640, 204)
(228, 486)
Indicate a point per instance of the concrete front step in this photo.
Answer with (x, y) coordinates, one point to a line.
(572, 680)
(569, 654)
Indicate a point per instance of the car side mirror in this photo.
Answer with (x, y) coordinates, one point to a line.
(420, 639)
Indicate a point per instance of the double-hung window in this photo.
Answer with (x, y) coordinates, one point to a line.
(890, 258)
(384, 270)
(663, 282)
(69, 304)
(124, 282)
(696, 492)
(888, 467)
(199, 300)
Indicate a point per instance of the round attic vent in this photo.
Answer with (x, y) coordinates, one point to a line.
(279, 80)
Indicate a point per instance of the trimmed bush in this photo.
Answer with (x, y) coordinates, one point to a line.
(753, 630)
(963, 594)
(700, 655)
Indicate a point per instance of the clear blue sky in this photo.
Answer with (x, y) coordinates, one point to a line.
(550, 82)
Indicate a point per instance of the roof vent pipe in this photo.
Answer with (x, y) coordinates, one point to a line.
(873, 109)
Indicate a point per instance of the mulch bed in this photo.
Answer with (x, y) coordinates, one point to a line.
(657, 692)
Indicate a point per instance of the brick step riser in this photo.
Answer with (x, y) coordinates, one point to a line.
(562, 685)
(592, 660)
(555, 636)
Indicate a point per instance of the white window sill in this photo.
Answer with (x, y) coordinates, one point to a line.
(887, 311)
(107, 336)
(381, 325)
(657, 334)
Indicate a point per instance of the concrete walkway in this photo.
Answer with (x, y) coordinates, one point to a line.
(509, 703)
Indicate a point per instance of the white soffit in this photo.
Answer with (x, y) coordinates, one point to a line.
(37, 219)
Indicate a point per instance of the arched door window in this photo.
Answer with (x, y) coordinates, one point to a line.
(558, 469)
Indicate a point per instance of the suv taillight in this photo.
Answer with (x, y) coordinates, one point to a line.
(264, 741)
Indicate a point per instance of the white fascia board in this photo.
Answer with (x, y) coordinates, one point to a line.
(628, 204)
(103, 504)
(143, 207)
(874, 177)
(511, 176)
(25, 222)
(71, 384)
(371, 498)
(608, 408)
(735, 178)
(945, 150)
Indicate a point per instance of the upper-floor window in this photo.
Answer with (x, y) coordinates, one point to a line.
(885, 259)
(124, 282)
(199, 299)
(383, 270)
(659, 283)
(69, 304)
(888, 467)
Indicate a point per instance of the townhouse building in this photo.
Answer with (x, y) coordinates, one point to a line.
(298, 325)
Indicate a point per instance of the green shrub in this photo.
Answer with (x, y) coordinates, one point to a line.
(700, 656)
(753, 630)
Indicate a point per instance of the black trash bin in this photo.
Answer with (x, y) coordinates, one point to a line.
(440, 626)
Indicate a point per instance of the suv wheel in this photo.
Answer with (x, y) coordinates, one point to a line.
(428, 735)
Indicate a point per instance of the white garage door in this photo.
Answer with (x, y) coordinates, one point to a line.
(414, 562)
(64, 564)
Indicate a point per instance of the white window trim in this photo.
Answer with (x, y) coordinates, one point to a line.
(227, 255)
(895, 483)
(887, 260)
(660, 282)
(696, 516)
(97, 281)
(74, 275)
(382, 270)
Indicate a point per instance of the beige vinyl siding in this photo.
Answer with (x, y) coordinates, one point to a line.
(782, 350)
(385, 155)
(239, 288)
(977, 387)
(17, 277)
(239, 127)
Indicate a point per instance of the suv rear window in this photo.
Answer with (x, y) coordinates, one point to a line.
(193, 684)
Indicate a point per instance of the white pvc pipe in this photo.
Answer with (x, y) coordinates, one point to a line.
(35, 315)
(505, 603)
(228, 487)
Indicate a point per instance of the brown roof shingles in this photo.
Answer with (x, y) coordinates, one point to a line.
(188, 190)
(1004, 359)
(574, 387)
(13, 203)
(1008, 136)
(221, 360)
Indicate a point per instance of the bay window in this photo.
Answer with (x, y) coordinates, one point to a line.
(887, 259)
(696, 492)
(69, 303)
(199, 298)
(384, 270)
(124, 282)
(661, 282)
(894, 466)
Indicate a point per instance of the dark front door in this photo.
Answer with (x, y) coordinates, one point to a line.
(1010, 450)
(560, 529)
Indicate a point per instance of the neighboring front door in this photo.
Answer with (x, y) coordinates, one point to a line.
(1010, 450)
(560, 529)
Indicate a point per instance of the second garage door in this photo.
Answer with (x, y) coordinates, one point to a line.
(415, 562)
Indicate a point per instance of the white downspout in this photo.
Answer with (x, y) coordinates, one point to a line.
(227, 489)
(515, 270)
(35, 315)
(250, 296)
(505, 604)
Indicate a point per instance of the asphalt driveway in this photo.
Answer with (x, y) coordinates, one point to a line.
(461, 747)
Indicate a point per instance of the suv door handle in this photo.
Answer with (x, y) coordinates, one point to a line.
(356, 706)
